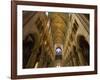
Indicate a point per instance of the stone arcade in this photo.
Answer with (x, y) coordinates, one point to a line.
(54, 39)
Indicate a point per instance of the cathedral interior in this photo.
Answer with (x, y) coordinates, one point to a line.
(55, 39)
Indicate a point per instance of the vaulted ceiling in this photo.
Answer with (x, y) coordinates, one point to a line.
(50, 30)
(58, 27)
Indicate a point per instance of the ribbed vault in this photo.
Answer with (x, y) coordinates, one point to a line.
(44, 33)
(58, 27)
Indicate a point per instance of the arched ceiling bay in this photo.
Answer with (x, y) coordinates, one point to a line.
(58, 26)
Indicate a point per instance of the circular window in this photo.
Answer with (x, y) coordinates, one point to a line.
(58, 51)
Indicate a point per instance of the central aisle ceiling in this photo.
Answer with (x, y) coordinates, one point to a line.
(59, 26)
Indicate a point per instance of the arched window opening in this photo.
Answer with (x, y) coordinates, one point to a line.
(84, 46)
(28, 45)
(58, 51)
